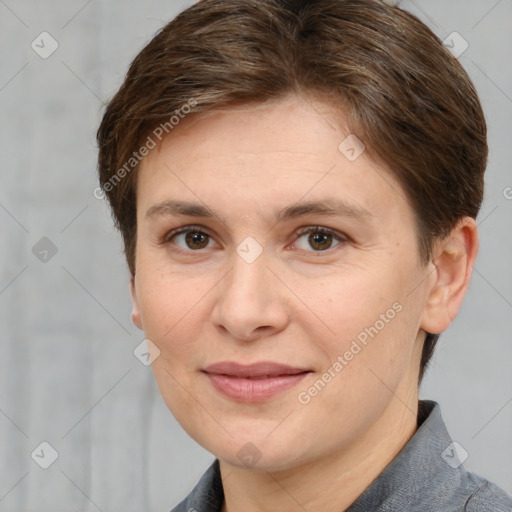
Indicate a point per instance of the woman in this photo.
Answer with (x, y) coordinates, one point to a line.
(296, 184)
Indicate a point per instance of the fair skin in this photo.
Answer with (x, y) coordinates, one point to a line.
(297, 303)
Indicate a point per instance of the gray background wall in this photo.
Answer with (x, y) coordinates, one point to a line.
(67, 372)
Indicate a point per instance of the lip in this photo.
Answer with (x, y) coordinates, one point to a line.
(254, 382)
(234, 369)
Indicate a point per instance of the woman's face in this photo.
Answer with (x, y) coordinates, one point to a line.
(298, 252)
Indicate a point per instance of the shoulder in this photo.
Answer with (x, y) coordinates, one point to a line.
(451, 485)
(207, 495)
(487, 497)
(181, 507)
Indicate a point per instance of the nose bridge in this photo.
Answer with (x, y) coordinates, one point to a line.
(247, 282)
(248, 297)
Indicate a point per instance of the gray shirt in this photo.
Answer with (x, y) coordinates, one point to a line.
(427, 476)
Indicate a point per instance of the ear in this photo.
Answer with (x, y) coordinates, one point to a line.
(136, 319)
(453, 260)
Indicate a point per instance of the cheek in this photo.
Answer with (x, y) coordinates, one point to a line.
(366, 319)
(346, 302)
(169, 306)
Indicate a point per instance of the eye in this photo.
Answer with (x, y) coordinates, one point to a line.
(188, 238)
(318, 237)
(194, 238)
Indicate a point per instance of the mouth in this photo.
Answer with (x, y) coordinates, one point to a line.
(255, 382)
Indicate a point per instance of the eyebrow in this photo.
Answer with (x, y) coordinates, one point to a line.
(329, 206)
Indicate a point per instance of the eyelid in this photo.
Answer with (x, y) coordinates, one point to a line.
(340, 237)
(166, 240)
(184, 229)
(321, 229)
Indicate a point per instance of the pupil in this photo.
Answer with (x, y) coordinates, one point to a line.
(318, 240)
(193, 237)
(321, 239)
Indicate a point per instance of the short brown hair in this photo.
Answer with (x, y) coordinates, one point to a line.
(407, 98)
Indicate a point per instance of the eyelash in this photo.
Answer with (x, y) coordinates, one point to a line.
(299, 233)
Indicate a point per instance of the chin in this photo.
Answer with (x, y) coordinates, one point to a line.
(259, 455)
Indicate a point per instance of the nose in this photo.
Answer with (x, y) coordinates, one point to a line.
(251, 301)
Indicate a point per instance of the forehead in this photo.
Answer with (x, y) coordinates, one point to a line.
(255, 156)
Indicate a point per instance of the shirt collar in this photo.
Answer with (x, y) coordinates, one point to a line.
(426, 473)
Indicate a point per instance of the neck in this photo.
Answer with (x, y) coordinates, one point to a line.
(330, 484)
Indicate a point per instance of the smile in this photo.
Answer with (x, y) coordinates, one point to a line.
(255, 382)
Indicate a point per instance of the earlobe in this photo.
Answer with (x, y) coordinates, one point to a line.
(454, 258)
(136, 318)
